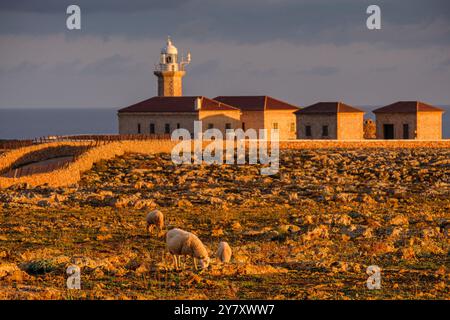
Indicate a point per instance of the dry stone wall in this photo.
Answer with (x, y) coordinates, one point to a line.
(71, 173)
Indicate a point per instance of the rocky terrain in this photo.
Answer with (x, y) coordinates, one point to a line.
(308, 232)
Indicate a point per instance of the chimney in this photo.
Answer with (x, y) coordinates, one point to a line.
(198, 103)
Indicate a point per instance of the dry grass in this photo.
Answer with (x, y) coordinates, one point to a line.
(292, 239)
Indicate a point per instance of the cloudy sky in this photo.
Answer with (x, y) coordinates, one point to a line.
(301, 51)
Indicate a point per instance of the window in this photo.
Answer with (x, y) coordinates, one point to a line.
(308, 131)
(227, 126)
(139, 128)
(167, 128)
(275, 125)
(210, 126)
(292, 127)
(324, 131)
(152, 128)
(243, 126)
(405, 131)
(178, 126)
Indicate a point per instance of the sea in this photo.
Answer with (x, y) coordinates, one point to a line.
(29, 123)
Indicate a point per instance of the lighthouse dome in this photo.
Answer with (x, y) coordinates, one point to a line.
(169, 48)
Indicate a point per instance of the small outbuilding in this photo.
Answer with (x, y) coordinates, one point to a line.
(264, 112)
(330, 120)
(409, 120)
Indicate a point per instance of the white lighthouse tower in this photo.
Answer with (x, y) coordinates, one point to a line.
(170, 71)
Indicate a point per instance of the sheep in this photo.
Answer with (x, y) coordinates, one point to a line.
(154, 219)
(180, 242)
(224, 252)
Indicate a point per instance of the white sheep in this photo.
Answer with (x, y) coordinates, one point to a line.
(180, 242)
(224, 252)
(154, 219)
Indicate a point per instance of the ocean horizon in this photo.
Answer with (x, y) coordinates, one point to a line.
(29, 123)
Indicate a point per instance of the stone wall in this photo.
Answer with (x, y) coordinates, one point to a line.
(219, 119)
(71, 174)
(338, 144)
(316, 122)
(41, 155)
(286, 121)
(128, 122)
(350, 126)
(429, 125)
(170, 83)
(398, 120)
(252, 119)
(40, 152)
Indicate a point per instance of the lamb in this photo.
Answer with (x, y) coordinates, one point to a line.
(224, 252)
(180, 242)
(154, 219)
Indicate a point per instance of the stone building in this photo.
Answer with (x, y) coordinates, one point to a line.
(409, 120)
(162, 115)
(330, 120)
(259, 112)
(170, 110)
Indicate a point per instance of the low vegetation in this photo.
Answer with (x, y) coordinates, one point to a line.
(308, 232)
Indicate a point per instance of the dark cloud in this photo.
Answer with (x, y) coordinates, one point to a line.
(301, 51)
(57, 6)
(113, 65)
(206, 67)
(21, 68)
(320, 71)
(404, 23)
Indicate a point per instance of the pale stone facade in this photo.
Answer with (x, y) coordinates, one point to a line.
(314, 124)
(141, 123)
(166, 123)
(409, 120)
(162, 115)
(264, 112)
(283, 120)
(429, 125)
(221, 120)
(330, 120)
(350, 126)
(398, 121)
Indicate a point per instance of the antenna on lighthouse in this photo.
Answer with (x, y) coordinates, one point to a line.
(186, 60)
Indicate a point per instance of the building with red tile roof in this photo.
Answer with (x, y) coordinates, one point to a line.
(162, 115)
(264, 112)
(330, 120)
(409, 120)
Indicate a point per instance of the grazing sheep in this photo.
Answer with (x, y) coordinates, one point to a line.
(180, 242)
(224, 252)
(154, 219)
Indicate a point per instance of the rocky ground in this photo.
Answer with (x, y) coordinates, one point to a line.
(308, 232)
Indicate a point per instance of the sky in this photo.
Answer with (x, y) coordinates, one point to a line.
(300, 51)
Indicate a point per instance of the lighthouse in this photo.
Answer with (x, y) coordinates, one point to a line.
(170, 71)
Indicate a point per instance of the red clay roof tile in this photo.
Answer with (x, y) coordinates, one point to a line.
(256, 103)
(175, 104)
(407, 107)
(328, 107)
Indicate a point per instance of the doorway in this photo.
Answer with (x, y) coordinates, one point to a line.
(388, 130)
